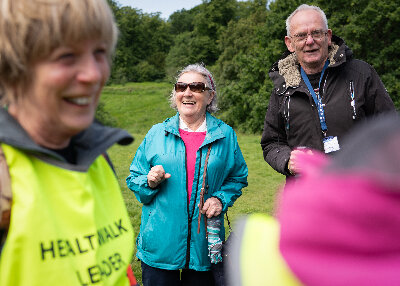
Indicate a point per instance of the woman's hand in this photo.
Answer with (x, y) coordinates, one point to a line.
(156, 175)
(212, 207)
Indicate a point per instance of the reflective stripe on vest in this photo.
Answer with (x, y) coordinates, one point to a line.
(261, 262)
(66, 227)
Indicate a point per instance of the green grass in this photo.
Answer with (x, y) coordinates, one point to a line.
(136, 107)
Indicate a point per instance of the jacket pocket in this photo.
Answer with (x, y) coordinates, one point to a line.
(147, 233)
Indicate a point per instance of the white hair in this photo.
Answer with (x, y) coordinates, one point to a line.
(200, 69)
(304, 7)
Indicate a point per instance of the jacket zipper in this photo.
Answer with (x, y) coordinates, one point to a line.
(190, 217)
(353, 101)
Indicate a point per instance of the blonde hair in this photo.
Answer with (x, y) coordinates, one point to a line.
(31, 29)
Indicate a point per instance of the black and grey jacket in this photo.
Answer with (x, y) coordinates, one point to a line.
(87, 145)
(292, 119)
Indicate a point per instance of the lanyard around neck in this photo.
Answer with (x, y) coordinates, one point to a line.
(317, 100)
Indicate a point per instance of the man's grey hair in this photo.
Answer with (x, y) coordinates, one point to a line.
(210, 82)
(304, 7)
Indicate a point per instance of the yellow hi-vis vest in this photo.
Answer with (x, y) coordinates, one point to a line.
(67, 227)
(261, 262)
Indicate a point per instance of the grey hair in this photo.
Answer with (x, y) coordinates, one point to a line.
(304, 7)
(210, 82)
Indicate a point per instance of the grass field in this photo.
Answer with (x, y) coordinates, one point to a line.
(135, 107)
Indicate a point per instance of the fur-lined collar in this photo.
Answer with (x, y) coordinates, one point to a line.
(289, 66)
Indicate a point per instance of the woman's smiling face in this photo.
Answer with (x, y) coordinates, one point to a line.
(63, 94)
(192, 105)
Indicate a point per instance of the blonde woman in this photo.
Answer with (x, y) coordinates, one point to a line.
(68, 224)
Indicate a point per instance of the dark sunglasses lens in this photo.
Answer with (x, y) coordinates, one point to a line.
(180, 86)
(194, 86)
(197, 86)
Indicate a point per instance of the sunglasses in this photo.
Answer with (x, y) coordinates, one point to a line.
(194, 86)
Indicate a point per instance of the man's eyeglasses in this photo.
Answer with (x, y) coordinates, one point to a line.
(194, 86)
(316, 35)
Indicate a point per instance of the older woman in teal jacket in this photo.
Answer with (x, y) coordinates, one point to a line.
(166, 176)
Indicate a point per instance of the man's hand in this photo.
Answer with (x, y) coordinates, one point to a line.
(156, 175)
(293, 166)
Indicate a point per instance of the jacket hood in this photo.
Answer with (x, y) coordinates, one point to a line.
(285, 72)
(88, 144)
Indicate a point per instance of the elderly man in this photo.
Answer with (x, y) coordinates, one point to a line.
(319, 93)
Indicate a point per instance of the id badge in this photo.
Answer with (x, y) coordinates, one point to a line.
(331, 144)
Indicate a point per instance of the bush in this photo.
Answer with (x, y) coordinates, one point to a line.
(104, 117)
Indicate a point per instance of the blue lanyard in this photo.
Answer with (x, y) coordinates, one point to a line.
(317, 100)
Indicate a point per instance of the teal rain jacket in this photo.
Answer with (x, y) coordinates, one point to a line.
(168, 237)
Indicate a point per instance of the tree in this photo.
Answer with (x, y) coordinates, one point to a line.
(183, 20)
(188, 48)
(250, 46)
(240, 40)
(201, 43)
(373, 34)
(213, 15)
(237, 73)
(143, 45)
